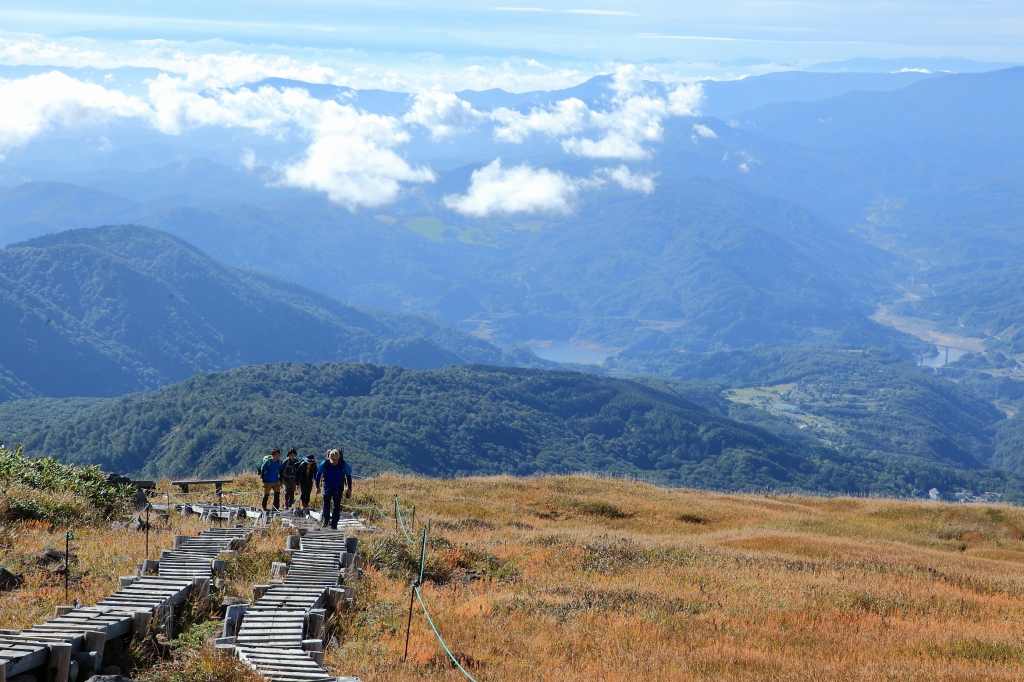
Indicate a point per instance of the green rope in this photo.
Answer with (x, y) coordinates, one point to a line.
(26, 556)
(401, 524)
(438, 634)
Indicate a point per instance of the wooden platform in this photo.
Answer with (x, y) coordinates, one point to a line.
(285, 665)
(271, 636)
(346, 522)
(111, 618)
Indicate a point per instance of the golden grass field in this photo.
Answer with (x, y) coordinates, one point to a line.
(689, 585)
(579, 578)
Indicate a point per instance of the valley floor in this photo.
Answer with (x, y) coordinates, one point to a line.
(590, 579)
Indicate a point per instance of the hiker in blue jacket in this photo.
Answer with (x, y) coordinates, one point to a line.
(331, 476)
(270, 474)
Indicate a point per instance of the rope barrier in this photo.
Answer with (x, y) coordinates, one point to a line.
(437, 634)
(51, 543)
(401, 524)
(416, 591)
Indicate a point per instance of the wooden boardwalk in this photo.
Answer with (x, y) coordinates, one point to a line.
(281, 635)
(88, 628)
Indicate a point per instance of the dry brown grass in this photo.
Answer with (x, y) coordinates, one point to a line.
(101, 556)
(587, 579)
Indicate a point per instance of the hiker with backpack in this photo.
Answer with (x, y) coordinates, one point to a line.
(306, 478)
(270, 474)
(331, 476)
(289, 476)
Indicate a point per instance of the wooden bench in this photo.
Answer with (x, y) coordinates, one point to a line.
(217, 482)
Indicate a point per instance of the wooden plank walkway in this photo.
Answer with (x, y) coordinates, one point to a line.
(113, 617)
(273, 630)
(347, 521)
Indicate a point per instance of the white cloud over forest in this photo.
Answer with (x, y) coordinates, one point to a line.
(352, 156)
(624, 130)
(442, 113)
(515, 189)
(37, 103)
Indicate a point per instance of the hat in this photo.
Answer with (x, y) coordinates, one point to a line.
(310, 458)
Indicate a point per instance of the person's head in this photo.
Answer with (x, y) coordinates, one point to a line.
(311, 459)
(292, 454)
(334, 456)
(275, 454)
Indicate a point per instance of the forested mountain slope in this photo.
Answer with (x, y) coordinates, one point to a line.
(107, 311)
(868, 402)
(454, 421)
(699, 264)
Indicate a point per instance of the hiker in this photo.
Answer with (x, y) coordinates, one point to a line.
(331, 476)
(289, 475)
(270, 474)
(306, 479)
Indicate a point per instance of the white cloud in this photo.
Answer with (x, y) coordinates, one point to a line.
(267, 110)
(518, 189)
(565, 118)
(352, 159)
(746, 160)
(631, 122)
(601, 12)
(704, 131)
(686, 99)
(629, 180)
(442, 113)
(248, 159)
(37, 103)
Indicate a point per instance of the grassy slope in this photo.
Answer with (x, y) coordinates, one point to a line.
(686, 585)
(742, 588)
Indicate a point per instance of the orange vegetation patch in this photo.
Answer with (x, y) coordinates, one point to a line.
(587, 579)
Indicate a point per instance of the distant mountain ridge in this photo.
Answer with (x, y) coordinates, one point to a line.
(455, 421)
(107, 311)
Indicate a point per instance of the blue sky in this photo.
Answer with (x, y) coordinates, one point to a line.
(795, 32)
(192, 66)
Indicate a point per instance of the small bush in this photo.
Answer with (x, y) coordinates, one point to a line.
(44, 489)
(253, 566)
(691, 518)
(399, 559)
(601, 508)
(201, 665)
(978, 650)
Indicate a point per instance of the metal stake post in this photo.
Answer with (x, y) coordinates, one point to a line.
(412, 592)
(396, 513)
(147, 531)
(67, 564)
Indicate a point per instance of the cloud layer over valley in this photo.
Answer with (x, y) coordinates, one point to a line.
(333, 144)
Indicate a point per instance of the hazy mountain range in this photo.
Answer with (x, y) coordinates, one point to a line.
(772, 212)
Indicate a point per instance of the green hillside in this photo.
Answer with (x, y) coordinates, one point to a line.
(699, 264)
(869, 403)
(455, 421)
(108, 311)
